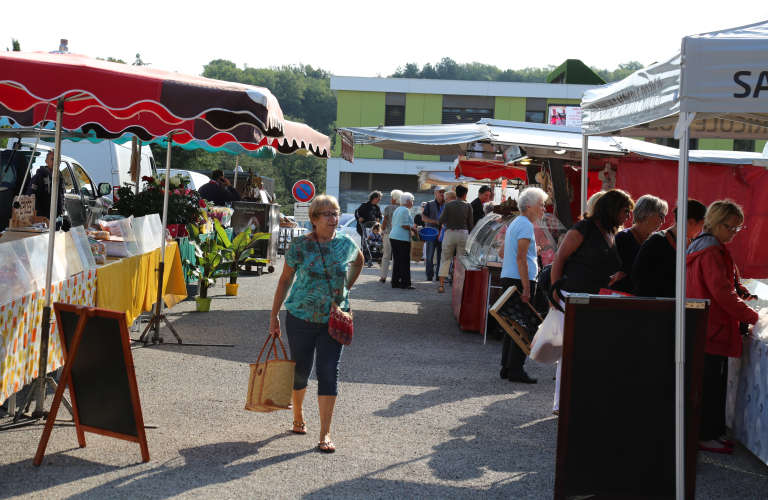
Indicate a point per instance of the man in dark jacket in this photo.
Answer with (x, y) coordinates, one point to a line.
(40, 186)
(484, 195)
(219, 190)
(431, 213)
(368, 212)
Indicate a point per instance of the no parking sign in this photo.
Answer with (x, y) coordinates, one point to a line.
(303, 191)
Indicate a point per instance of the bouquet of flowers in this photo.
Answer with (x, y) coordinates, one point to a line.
(222, 214)
(184, 204)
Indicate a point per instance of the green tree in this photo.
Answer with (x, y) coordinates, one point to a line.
(15, 44)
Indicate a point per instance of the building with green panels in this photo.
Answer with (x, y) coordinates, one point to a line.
(370, 102)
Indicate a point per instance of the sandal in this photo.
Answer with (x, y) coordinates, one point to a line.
(441, 290)
(302, 427)
(383, 280)
(326, 446)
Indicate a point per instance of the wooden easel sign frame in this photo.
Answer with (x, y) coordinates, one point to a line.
(100, 373)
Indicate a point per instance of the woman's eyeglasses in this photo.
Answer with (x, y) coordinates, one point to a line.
(663, 216)
(734, 229)
(331, 215)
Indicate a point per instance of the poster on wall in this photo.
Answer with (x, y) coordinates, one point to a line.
(569, 116)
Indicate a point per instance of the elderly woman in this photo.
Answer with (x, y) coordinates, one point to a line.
(588, 256)
(386, 225)
(400, 239)
(712, 275)
(654, 271)
(649, 215)
(519, 269)
(325, 265)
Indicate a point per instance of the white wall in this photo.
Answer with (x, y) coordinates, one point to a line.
(366, 165)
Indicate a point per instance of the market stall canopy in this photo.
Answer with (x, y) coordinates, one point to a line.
(656, 151)
(442, 178)
(121, 97)
(476, 168)
(720, 76)
(544, 140)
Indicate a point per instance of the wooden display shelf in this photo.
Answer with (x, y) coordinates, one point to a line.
(512, 327)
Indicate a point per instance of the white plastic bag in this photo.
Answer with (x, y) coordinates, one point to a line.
(547, 344)
(760, 330)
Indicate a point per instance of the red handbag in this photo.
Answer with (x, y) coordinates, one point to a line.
(339, 322)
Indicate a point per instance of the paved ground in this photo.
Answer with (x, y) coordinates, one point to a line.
(422, 414)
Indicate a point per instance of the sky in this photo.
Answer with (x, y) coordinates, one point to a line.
(369, 38)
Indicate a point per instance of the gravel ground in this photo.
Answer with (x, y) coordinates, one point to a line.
(422, 413)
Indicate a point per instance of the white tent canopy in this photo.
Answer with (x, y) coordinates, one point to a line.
(716, 87)
(721, 76)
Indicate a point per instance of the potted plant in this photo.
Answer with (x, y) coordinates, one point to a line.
(184, 205)
(240, 246)
(213, 261)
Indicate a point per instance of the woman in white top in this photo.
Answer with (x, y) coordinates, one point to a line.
(520, 269)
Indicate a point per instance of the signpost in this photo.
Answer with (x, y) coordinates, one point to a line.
(301, 212)
(303, 191)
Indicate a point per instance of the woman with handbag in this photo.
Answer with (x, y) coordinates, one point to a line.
(588, 256)
(400, 239)
(325, 265)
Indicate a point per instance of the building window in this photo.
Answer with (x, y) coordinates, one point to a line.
(465, 115)
(394, 109)
(535, 110)
(745, 145)
(360, 181)
(394, 116)
(392, 155)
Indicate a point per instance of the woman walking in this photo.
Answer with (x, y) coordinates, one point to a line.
(519, 269)
(325, 265)
(400, 239)
(712, 275)
(386, 224)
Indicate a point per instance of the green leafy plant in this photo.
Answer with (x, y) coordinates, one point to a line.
(213, 259)
(240, 245)
(184, 205)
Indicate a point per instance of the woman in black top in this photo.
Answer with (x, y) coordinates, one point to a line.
(654, 271)
(588, 256)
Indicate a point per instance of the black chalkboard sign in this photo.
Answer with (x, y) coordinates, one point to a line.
(101, 377)
(616, 432)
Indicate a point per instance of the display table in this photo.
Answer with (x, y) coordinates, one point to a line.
(128, 285)
(747, 404)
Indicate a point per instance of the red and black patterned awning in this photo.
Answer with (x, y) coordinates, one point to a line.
(121, 98)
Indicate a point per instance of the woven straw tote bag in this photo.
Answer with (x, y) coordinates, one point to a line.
(271, 383)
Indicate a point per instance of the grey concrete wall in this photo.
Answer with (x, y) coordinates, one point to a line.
(356, 197)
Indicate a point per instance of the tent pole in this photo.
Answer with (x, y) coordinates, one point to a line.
(237, 165)
(680, 270)
(584, 171)
(46, 320)
(161, 265)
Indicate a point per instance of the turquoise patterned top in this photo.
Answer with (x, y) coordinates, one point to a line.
(310, 297)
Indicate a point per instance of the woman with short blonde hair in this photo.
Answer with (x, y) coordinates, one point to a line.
(386, 224)
(325, 265)
(712, 275)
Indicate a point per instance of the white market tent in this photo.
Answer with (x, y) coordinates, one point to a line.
(715, 86)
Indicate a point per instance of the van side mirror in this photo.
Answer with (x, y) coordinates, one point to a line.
(105, 188)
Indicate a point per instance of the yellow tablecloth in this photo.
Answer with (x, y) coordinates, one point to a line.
(130, 285)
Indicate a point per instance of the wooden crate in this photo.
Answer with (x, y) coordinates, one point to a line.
(512, 327)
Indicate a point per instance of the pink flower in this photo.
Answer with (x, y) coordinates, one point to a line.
(176, 191)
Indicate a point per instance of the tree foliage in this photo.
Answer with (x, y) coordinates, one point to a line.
(448, 69)
(15, 44)
(112, 59)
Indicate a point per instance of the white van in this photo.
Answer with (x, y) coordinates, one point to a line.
(104, 161)
(197, 179)
(109, 162)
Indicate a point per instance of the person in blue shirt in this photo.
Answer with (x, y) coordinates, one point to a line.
(400, 239)
(520, 269)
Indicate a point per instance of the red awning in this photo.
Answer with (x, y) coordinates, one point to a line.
(487, 169)
(119, 96)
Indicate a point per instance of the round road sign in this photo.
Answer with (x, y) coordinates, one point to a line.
(304, 191)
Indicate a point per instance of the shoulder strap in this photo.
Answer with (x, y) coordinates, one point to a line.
(671, 240)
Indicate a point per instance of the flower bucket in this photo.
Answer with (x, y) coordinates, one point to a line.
(231, 289)
(203, 305)
(178, 230)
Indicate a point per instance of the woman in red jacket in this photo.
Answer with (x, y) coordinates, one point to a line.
(712, 275)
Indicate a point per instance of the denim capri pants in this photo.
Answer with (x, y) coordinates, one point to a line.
(304, 338)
